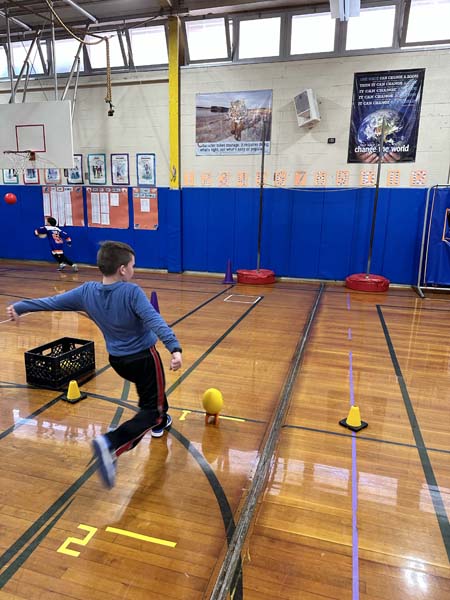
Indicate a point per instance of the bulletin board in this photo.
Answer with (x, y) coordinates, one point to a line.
(64, 203)
(145, 205)
(107, 207)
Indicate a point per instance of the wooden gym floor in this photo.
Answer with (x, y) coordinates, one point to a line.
(343, 515)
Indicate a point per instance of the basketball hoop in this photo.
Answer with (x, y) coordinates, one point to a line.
(27, 159)
(21, 161)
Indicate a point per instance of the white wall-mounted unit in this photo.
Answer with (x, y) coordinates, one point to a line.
(306, 108)
(344, 9)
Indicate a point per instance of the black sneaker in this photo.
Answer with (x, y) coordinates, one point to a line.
(158, 430)
(106, 460)
(62, 266)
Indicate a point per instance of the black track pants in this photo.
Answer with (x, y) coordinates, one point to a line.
(146, 371)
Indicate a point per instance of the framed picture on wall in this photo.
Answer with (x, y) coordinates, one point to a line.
(75, 174)
(120, 169)
(146, 169)
(97, 168)
(52, 176)
(31, 176)
(10, 176)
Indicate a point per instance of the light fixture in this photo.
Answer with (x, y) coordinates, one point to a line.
(81, 10)
(14, 20)
(344, 9)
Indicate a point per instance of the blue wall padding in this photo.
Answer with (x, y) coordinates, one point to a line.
(219, 224)
(437, 270)
(306, 233)
(18, 221)
(174, 232)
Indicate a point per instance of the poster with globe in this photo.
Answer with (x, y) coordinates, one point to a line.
(392, 98)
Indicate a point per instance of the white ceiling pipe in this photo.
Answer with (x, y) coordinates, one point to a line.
(81, 10)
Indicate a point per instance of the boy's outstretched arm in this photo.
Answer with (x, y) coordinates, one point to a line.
(68, 301)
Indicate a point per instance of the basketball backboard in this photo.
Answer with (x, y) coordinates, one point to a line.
(44, 128)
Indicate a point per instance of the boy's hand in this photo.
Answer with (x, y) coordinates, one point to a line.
(12, 313)
(176, 361)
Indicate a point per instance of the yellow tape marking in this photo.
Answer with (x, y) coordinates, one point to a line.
(139, 536)
(183, 414)
(232, 419)
(80, 542)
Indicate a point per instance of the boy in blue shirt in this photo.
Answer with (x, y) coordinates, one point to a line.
(131, 328)
(56, 238)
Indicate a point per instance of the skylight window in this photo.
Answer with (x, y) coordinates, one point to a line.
(19, 53)
(149, 46)
(312, 33)
(259, 37)
(428, 20)
(207, 39)
(65, 52)
(97, 52)
(374, 28)
(3, 63)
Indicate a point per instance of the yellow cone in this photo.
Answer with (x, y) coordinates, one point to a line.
(354, 417)
(353, 421)
(73, 393)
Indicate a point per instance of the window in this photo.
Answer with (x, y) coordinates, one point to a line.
(312, 33)
(149, 46)
(259, 38)
(428, 20)
(65, 52)
(3, 63)
(19, 53)
(374, 28)
(207, 39)
(97, 52)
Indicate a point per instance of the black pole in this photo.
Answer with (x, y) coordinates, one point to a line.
(375, 200)
(261, 194)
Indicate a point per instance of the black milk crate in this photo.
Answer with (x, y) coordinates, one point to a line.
(56, 363)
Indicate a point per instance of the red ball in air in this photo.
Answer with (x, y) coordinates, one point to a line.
(10, 198)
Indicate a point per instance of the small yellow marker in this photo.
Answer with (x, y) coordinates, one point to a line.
(184, 414)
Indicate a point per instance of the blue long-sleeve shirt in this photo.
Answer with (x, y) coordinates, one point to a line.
(121, 310)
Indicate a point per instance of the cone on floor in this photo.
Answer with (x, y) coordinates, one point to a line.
(229, 273)
(353, 421)
(154, 301)
(73, 393)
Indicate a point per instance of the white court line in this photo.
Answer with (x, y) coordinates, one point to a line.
(228, 299)
(8, 320)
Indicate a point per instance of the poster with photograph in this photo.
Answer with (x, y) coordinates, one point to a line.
(75, 174)
(97, 168)
(52, 176)
(232, 122)
(120, 172)
(146, 169)
(31, 176)
(10, 176)
(390, 97)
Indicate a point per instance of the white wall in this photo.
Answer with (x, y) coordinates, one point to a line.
(141, 124)
(296, 149)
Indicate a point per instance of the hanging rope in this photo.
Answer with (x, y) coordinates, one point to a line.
(108, 97)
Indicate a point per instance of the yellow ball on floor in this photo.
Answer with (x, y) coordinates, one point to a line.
(212, 401)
